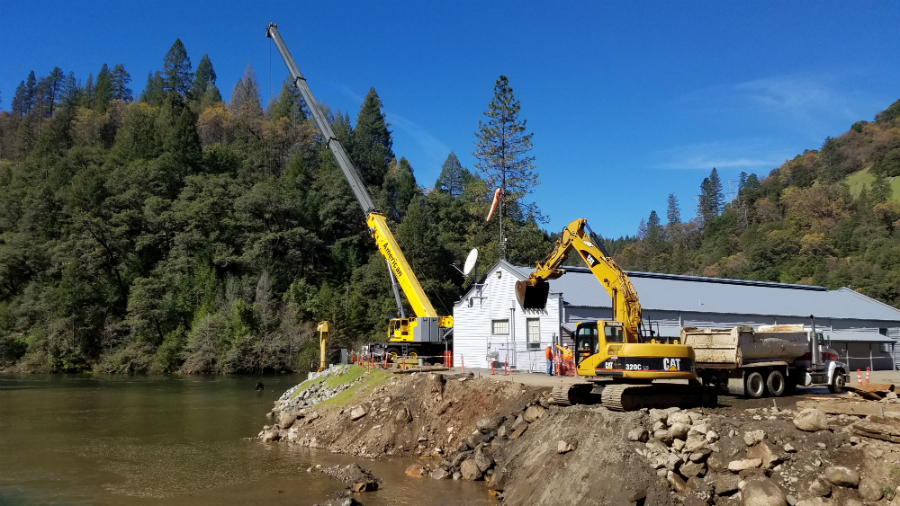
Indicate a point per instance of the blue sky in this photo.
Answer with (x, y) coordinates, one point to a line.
(628, 101)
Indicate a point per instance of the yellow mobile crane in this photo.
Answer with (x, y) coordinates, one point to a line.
(620, 349)
(424, 334)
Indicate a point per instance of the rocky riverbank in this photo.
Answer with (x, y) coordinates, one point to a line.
(529, 452)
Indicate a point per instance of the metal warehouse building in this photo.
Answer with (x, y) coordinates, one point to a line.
(490, 323)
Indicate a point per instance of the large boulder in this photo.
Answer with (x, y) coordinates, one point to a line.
(470, 470)
(679, 430)
(533, 413)
(358, 412)
(736, 466)
(820, 487)
(764, 453)
(811, 420)
(727, 484)
(814, 501)
(440, 474)
(287, 419)
(639, 434)
(489, 423)
(870, 489)
(754, 436)
(484, 462)
(761, 491)
(842, 476)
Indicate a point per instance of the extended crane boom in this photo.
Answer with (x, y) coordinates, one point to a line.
(425, 327)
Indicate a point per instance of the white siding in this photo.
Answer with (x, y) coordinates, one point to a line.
(472, 317)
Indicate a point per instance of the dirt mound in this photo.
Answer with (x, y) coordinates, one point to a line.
(529, 452)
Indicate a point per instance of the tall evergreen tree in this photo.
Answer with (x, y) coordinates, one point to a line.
(87, 95)
(154, 92)
(102, 90)
(289, 104)
(19, 102)
(673, 211)
(120, 80)
(503, 152)
(453, 178)
(371, 143)
(717, 194)
(245, 96)
(70, 91)
(30, 92)
(204, 79)
(704, 203)
(55, 83)
(177, 69)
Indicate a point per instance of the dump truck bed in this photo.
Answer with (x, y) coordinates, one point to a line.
(740, 346)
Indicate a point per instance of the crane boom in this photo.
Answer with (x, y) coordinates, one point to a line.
(376, 221)
(533, 292)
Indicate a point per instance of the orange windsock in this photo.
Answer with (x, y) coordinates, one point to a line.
(494, 203)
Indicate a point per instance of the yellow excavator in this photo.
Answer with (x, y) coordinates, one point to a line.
(427, 333)
(620, 358)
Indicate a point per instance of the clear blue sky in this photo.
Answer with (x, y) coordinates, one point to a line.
(628, 101)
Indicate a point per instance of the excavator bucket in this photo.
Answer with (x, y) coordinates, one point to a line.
(532, 297)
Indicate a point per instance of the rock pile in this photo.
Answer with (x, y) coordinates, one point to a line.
(481, 455)
(743, 467)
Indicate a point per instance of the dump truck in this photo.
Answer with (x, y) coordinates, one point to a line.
(770, 361)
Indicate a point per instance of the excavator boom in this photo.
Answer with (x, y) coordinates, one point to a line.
(532, 293)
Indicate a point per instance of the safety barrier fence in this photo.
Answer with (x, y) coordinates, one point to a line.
(369, 360)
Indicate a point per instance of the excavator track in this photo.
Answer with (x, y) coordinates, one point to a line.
(577, 393)
(634, 397)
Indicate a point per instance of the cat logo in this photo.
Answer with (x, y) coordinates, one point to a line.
(672, 364)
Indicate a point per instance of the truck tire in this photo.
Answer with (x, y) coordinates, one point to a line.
(754, 385)
(393, 354)
(775, 383)
(837, 383)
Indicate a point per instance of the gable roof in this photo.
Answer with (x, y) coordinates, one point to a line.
(670, 292)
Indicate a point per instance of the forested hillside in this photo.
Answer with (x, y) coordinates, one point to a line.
(827, 217)
(175, 232)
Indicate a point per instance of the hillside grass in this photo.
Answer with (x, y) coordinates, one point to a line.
(865, 177)
(373, 380)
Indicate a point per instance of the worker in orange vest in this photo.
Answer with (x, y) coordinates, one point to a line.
(549, 354)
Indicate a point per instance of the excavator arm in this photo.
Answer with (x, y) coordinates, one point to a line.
(387, 245)
(532, 293)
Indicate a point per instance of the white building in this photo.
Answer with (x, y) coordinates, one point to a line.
(488, 320)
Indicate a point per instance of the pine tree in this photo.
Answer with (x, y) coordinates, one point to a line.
(204, 79)
(704, 203)
(120, 80)
(19, 102)
(55, 82)
(177, 69)
(245, 96)
(717, 195)
(154, 92)
(102, 90)
(453, 178)
(289, 104)
(70, 91)
(30, 92)
(673, 212)
(87, 95)
(503, 153)
(371, 143)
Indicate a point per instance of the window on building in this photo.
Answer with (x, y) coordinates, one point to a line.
(883, 331)
(500, 327)
(533, 331)
(885, 348)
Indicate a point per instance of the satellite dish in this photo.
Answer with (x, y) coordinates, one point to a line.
(470, 261)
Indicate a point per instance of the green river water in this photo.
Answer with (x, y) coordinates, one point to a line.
(182, 440)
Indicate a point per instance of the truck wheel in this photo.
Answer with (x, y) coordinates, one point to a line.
(393, 354)
(775, 383)
(754, 385)
(837, 384)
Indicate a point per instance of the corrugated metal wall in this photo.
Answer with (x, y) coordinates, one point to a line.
(473, 340)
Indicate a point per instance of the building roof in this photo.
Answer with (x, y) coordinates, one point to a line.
(670, 292)
(857, 337)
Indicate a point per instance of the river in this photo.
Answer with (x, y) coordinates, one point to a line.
(93, 439)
